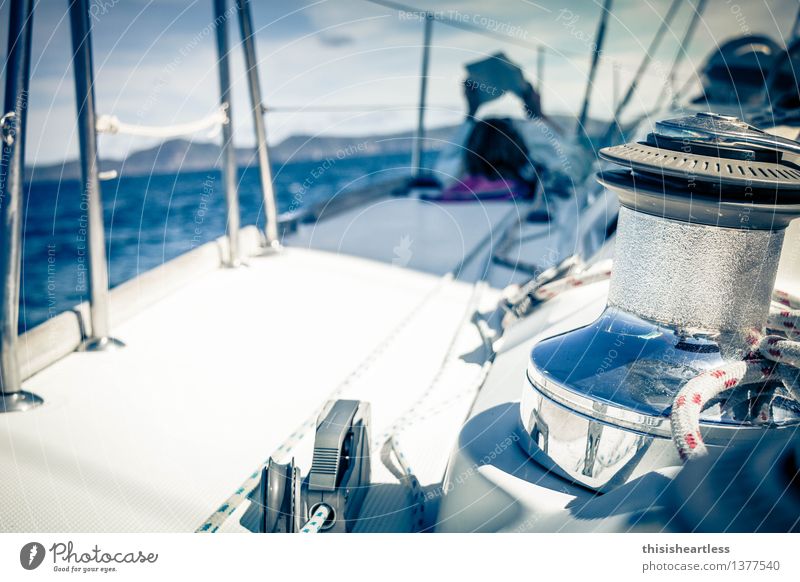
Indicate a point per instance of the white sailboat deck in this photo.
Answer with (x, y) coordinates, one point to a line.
(219, 372)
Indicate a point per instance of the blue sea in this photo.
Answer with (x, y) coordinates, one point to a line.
(152, 219)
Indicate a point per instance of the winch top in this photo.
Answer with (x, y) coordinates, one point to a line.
(709, 169)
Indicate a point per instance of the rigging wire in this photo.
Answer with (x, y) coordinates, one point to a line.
(680, 55)
(597, 50)
(539, 48)
(438, 16)
(643, 66)
(352, 108)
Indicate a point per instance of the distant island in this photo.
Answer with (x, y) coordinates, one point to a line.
(181, 155)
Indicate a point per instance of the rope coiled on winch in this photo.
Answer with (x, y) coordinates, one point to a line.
(785, 314)
(770, 356)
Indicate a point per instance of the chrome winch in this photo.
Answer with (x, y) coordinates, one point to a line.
(705, 200)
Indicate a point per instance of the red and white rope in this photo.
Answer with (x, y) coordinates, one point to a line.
(779, 349)
(786, 299)
(598, 272)
(692, 398)
(520, 300)
(784, 314)
(768, 352)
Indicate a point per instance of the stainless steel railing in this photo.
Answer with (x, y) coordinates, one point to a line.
(228, 154)
(12, 168)
(416, 156)
(99, 335)
(257, 106)
(97, 324)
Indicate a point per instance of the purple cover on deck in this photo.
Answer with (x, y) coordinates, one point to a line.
(472, 188)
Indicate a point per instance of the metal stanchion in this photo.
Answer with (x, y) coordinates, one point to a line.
(419, 138)
(229, 166)
(82, 65)
(265, 170)
(12, 167)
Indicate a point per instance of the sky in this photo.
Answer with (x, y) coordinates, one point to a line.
(155, 61)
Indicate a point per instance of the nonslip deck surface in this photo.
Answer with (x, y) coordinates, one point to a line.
(215, 376)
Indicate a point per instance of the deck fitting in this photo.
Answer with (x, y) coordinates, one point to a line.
(101, 344)
(19, 401)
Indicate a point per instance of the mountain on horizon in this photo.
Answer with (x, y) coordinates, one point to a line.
(182, 155)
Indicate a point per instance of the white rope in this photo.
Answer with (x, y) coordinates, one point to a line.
(315, 523)
(599, 272)
(524, 297)
(111, 124)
